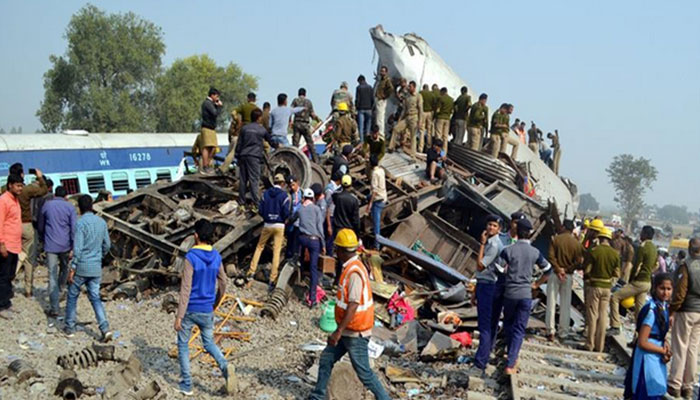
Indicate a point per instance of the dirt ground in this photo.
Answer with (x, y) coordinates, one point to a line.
(272, 371)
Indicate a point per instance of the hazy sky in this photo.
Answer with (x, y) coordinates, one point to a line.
(613, 77)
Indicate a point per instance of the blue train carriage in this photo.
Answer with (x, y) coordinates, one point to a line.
(90, 162)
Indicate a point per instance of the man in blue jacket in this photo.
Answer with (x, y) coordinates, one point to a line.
(274, 209)
(199, 296)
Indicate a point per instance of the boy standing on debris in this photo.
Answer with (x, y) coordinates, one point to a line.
(199, 297)
(354, 313)
(90, 245)
(520, 259)
(489, 270)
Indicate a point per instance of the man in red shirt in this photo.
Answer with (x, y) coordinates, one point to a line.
(10, 237)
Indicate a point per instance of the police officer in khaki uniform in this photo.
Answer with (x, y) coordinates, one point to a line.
(425, 122)
(445, 105)
(461, 108)
(478, 122)
(239, 116)
(412, 109)
(342, 96)
(384, 90)
(500, 123)
(556, 146)
(344, 128)
(301, 126)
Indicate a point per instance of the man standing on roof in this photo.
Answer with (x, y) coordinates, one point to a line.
(556, 147)
(408, 124)
(425, 123)
(461, 106)
(211, 108)
(640, 279)
(566, 256)
(302, 123)
(520, 258)
(342, 95)
(364, 103)
(354, 313)
(384, 91)
(240, 116)
(500, 123)
(478, 123)
(445, 105)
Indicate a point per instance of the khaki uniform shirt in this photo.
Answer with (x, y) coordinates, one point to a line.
(244, 110)
(500, 122)
(428, 100)
(478, 116)
(461, 106)
(412, 105)
(445, 107)
(346, 130)
(384, 88)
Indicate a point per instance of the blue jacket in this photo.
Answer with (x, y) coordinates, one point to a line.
(205, 268)
(275, 206)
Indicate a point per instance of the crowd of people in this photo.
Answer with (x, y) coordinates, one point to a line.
(320, 221)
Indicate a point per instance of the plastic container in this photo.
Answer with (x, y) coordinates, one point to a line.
(327, 322)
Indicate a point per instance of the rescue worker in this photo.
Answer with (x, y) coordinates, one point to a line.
(533, 138)
(412, 108)
(623, 246)
(301, 126)
(603, 266)
(240, 116)
(445, 105)
(556, 146)
(500, 123)
(478, 123)
(374, 145)
(344, 128)
(425, 123)
(461, 107)
(342, 95)
(354, 313)
(508, 139)
(384, 90)
(640, 279)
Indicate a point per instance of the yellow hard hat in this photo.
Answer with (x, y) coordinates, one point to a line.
(346, 181)
(628, 302)
(343, 106)
(597, 225)
(605, 232)
(347, 239)
(587, 222)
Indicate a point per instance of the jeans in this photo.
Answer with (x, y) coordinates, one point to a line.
(8, 269)
(292, 249)
(93, 291)
(329, 238)
(249, 174)
(516, 315)
(205, 323)
(357, 348)
(58, 273)
(485, 292)
(497, 309)
(377, 208)
(364, 123)
(314, 247)
(280, 141)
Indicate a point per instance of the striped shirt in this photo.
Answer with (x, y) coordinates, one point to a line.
(90, 245)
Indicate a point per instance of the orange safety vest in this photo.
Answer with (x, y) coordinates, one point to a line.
(364, 316)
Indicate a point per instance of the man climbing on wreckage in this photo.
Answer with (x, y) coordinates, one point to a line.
(354, 313)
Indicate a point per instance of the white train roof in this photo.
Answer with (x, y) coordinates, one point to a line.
(77, 140)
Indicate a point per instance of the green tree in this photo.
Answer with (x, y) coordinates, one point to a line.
(182, 88)
(104, 82)
(631, 178)
(672, 213)
(587, 203)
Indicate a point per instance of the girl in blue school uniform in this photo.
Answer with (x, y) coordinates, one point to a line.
(647, 376)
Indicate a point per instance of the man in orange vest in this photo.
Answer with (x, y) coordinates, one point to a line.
(354, 313)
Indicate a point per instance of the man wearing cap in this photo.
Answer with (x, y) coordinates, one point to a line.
(566, 256)
(311, 238)
(249, 153)
(275, 209)
(377, 197)
(477, 123)
(425, 123)
(489, 271)
(640, 279)
(384, 91)
(445, 105)
(341, 162)
(408, 123)
(519, 258)
(344, 128)
(346, 210)
(342, 95)
(500, 123)
(302, 120)
(603, 265)
(354, 313)
(292, 250)
(206, 141)
(333, 187)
